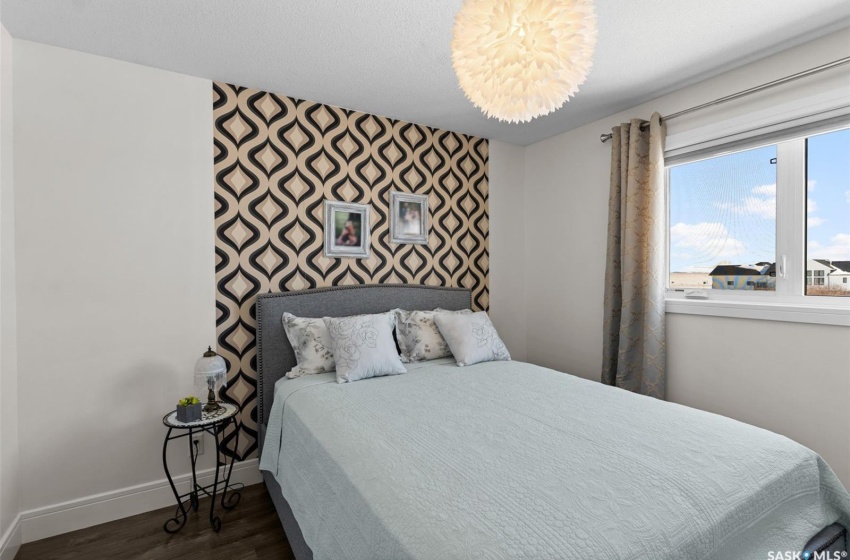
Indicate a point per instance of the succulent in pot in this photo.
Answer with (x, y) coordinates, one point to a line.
(189, 409)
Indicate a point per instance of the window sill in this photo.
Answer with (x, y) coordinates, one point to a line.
(762, 310)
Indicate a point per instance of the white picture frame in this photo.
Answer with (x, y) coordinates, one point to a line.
(347, 230)
(408, 218)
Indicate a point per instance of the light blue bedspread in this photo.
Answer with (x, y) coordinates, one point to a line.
(510, 460)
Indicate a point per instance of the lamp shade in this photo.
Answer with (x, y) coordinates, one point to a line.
(520, 59)
(210, 368)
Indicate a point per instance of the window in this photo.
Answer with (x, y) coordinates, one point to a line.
(767, 224)
(814, 278)
(828, 212)
(723, 220)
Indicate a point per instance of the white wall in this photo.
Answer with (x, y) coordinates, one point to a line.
(507, 245)
(793, 379)
(116, 293)
(9, 466)
(566, 196)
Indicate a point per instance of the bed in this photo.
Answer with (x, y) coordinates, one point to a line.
(511, 460)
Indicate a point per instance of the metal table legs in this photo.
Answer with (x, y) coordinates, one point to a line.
(230, 495)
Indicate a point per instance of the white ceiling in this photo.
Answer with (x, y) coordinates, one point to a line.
(391, 57)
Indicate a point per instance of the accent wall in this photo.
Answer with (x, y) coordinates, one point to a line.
(277, 159)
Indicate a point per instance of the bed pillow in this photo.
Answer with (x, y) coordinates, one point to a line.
(363, 346)
(311, 343)
(418, 337)
(472, 338)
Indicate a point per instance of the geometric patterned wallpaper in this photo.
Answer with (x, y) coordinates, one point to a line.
(277, 160)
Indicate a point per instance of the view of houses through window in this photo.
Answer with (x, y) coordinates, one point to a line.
(723, 222)
(723, 219)
(828, 214)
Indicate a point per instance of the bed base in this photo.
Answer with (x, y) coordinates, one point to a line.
(293, 532)
(832, 539)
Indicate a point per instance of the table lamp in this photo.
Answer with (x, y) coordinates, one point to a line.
(210, 371)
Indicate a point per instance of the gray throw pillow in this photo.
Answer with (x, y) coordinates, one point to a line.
(363, 346)
(418, 337)
(311, 343)
(472, 338)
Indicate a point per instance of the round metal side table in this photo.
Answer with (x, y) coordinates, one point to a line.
(213, 423)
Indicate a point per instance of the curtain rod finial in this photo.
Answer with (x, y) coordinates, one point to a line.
(605, 137)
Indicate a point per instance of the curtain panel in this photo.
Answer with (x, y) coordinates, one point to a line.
(634, 346)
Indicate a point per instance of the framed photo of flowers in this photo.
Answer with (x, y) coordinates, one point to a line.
(408, 218)
(346, 230)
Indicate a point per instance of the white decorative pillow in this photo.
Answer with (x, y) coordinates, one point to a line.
(311, 343)
(363, 346)
(472, 338)
(418, 337)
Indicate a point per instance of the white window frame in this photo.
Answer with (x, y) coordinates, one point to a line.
(788, 302)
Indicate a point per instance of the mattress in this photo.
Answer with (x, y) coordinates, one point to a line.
(510, 460)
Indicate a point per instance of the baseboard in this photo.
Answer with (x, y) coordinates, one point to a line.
(41, 523)
(10, 541)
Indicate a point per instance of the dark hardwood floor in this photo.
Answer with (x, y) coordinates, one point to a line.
(250, 531)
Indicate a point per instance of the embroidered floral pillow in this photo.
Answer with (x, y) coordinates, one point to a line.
(311, 343)
(472, 338)
(418, 337)
(363, 346)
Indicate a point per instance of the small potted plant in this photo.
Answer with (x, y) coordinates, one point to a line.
(189, 410)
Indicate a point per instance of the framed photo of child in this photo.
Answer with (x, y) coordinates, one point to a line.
(346, 230)
(408, 218)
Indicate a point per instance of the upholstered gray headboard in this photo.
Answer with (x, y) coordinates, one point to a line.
(274, 353)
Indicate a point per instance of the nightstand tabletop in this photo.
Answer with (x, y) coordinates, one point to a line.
(227, 411)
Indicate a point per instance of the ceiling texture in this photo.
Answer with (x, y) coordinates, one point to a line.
(392, 57)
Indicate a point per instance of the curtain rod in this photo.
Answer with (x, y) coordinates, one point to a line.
(774, 83)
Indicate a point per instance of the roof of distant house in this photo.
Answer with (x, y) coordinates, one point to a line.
(734, 270)
(843, 265)
(825, 262)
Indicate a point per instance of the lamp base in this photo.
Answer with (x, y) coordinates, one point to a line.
(212, 407)
(212, 404)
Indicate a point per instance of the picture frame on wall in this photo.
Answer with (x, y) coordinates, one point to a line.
(347, 230)
(408, 218)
